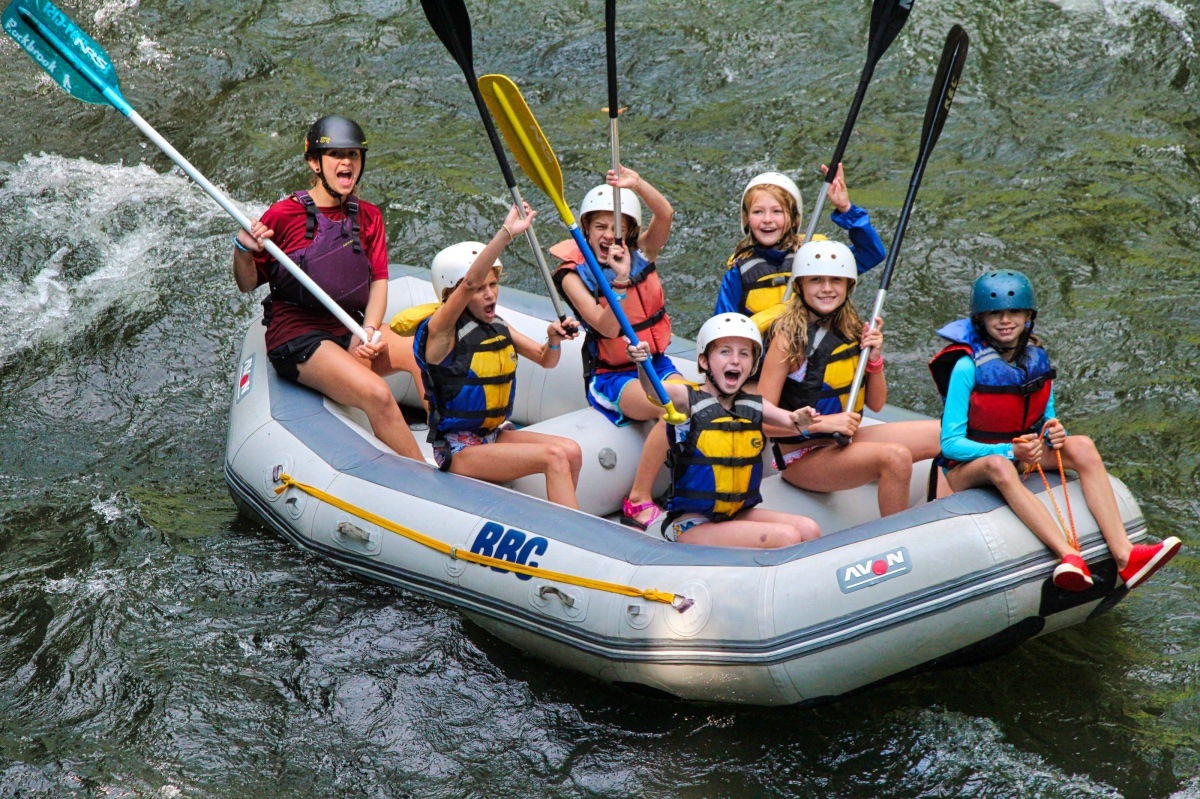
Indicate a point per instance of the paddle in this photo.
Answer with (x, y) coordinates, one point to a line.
(945, 84)
(537, 160)
(80, 66)
(614, 110)
(887, 18)
(452, 24)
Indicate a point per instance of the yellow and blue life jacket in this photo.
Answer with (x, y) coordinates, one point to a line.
(474, 386)
(716, 464)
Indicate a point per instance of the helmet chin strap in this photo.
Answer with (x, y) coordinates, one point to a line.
(325, 183)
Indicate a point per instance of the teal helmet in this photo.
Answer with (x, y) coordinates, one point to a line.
(1002, 290)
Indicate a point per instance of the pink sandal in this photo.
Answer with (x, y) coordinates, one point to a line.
(630, 513)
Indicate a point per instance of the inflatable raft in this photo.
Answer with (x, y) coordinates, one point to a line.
(945, 583)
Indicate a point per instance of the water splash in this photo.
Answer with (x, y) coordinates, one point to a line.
(86, 239)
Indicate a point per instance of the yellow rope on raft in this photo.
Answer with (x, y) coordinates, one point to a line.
(652, 594)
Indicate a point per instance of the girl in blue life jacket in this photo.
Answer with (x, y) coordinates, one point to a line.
(339, 240)
(813, 352)
(468, 357)
(761, 266)
(716, 455)
(997, 383)
(630, 267)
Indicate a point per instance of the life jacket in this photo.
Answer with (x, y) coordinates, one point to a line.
(764, 274)
(1009, 400)
(717, 468)
(829, 367)
(645, 306)
(474, 387)
(333, 258)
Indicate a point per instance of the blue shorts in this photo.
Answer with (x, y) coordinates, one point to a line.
(604, 391)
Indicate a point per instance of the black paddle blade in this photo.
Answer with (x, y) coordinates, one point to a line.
(452, 24)
(887, 19)
(945, 84)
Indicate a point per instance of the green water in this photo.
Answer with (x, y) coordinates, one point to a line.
(153, 644)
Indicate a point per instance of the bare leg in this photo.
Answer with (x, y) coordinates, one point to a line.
(1000, 472)
(757, 528)
(833, 468)
(636, 405)
(398, 357)
(344, 378)
(654, 455)
(1080, 455)
(923, 439)
(517, 453)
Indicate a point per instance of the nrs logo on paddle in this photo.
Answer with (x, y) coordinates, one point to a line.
(874, 570)
(514, 546)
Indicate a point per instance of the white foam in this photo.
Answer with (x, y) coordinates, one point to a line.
(112, 227)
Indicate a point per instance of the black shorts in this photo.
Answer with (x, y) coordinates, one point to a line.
(289, 355)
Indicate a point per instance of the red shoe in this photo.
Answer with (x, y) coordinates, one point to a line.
(1072, 574)
(1146, 559)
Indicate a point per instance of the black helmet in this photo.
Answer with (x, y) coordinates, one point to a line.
(334, 132)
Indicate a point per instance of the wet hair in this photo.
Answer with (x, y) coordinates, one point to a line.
(791, 240)
(793, 324)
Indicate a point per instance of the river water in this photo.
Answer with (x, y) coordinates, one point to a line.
(154, 644)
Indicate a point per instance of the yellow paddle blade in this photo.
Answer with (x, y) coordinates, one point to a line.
(525, 139)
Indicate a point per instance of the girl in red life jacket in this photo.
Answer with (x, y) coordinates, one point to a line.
(612, 384)
(999, 417)
(813, 352)
(306, 343)
(469, 357)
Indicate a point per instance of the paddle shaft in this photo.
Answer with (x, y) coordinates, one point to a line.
(614, 110)
(442, 18)
(518, 136)
(942, 95)
(884, 27)
(117, 100)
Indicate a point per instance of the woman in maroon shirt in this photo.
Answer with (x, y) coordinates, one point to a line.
(340, 242)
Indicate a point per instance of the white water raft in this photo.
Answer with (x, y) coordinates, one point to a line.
(945, 583)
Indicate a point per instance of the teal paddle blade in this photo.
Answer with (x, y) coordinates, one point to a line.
(73, 59)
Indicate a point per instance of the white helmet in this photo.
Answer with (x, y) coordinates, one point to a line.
(727, 325)
(825, 259)
(451, 265)
(601, 199)
(772, 179)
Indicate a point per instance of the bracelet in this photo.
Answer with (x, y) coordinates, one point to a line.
(550, 346)
(620, 296)
(237, 243)
(875, 366)
(621, 284)
(506, 230)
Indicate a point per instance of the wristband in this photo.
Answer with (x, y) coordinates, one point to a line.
(875, 366)
(237, 243)
(550, 346)
(620, 296)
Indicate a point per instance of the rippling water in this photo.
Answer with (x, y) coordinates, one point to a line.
(153, 644)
